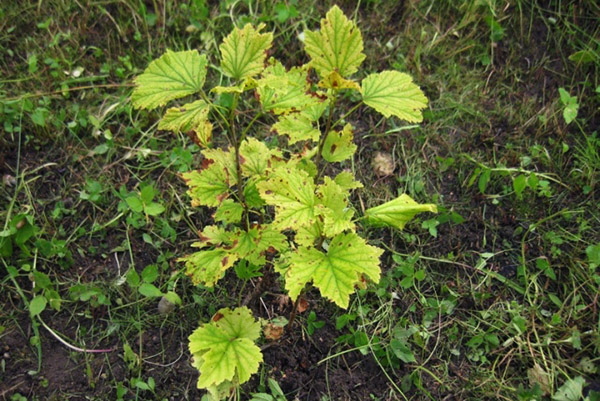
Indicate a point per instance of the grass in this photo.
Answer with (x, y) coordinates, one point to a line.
(496, 297)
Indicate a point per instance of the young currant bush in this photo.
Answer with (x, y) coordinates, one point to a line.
(274, 205)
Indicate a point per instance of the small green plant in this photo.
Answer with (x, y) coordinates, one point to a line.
(275, 206)
(570, 104)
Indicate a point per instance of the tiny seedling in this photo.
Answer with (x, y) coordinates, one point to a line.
(275, 204)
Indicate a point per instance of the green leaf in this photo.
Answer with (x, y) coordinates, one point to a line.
(593, 255)
(154, 209)
(229, 211)
(186, 117)
(397, 212)
(135, 203)
(338, 145)
(583, 57)
(208, 267)
(336, 47)
(37, 305)
(336, 272)
(402, 351)
(292, 192)
(208, 187)
(519, 185)
(150, 273)
(572, 390)
(172, 76)
(393, 93)
(243, 52)
(224, 349)
(149, 290)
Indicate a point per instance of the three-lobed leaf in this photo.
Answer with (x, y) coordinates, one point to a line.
(172, 76)
(243, 52)
(335, 272)
(292, 192)
(224, 349)
(336, 47)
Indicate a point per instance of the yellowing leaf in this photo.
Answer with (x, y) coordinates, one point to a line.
(225, 159)
(243, 52)
(397, 212)
(224, 350)
(173, 75)
(346, 181)
(202, 134)
(300, 126)
(292, 192)
(255, 157)
(208, 267)
(338, 145)
(229, 211)
(335, 81)
(393, 93)
(208, 187)
(186, 117)
(212, 236)
(282, 91)
(306, 236)
(337, 217)
(336, 272)
(336, 47)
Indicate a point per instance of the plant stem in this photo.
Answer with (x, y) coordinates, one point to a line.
(328, 127)
(294, 311)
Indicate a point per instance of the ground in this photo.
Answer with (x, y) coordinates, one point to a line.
(494, 297)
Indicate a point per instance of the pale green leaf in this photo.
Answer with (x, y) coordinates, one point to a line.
(336, 47)
(297, 126)
(336, 272)
(173, 75)
(229, 211)
(337, 217)
(338, 145)
(213, 236)
(393, 93)
(255, 157)
(208, 267)
(254, 243)
(291, 191)
(225, 159)
(208, 187)
(243, 52)
(186, 117)
(571, 390)
(224, 349)
(397, 212)
(346, 181)
(307, 235)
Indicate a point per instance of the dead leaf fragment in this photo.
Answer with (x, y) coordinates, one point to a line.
(537, 375)
(383, 165)
(302, 305)
(273, 332)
